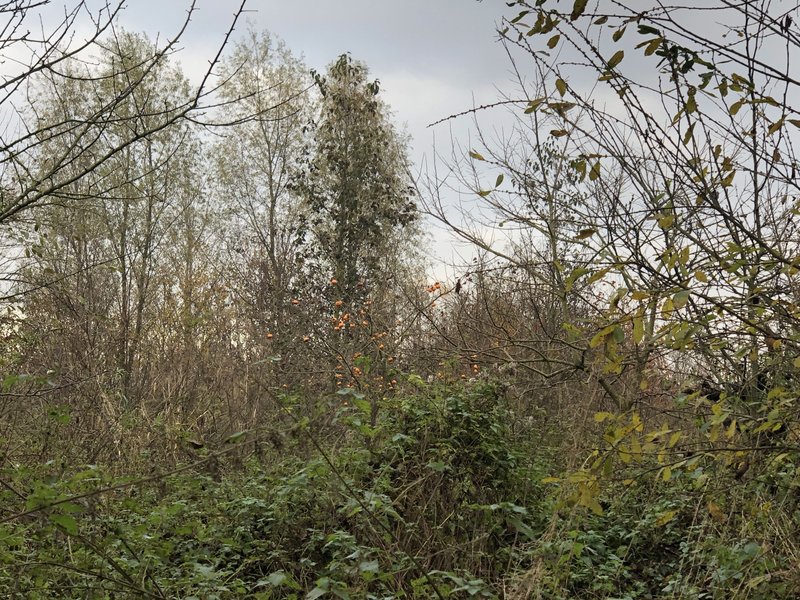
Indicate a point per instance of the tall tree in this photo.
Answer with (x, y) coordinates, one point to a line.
(266, 91)
(355, 181)
(98, 248)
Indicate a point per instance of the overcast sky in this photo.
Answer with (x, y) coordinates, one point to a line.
(433, 57)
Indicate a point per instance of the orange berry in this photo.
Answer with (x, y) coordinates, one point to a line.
(269, 336)
(338, 303)
(333, 281)
(295, 301)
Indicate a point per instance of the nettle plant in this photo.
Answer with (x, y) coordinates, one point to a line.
(679, 127)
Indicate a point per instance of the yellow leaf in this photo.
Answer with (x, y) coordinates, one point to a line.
(666, 474)
(665, 518)
(561, 86)
(666, 221)
(667, 308)
(592, 504)
(700, 276)
(716, 512)
(550, 480)
(476, 155)
(638, 330)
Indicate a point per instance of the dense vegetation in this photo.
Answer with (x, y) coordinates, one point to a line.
(227, 373)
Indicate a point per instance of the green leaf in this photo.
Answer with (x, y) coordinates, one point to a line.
(236, 437)
(561, 86)
(666, 221)
(691, 104)
(728, 181)
(67, 523)
(553, 41)
(652, 46)
(775, 127)
(533, 105)
(279, 578)
(369, 566)
(499, 180)
(578, 9)
(647, 29)
(680, 299)
(616, 59)
(594, 174)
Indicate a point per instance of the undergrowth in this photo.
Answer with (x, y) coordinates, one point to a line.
(443, 497)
